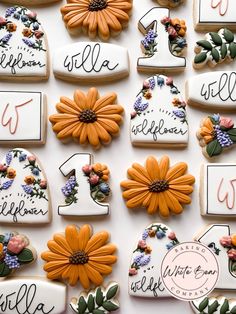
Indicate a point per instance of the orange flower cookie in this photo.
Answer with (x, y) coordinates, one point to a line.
(88, 118)
(77, 255)
(158, 187)
(97, 17)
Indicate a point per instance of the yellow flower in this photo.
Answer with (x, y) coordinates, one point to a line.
(207, 130)
(11, 173)
(233, 238)
(29, 180)
(102, 171)
(180, 26)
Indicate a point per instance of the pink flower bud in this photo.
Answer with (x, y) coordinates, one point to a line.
(32, 15)
(3, 21)
(165, 20)
(94, 179)
(38, 34)
(172, 32)
(43, 184)
(133, 114)
(146, 85)
(3, 168)
(32, 159)
(232, 254)
(133, 271)
(226, 122)
(142, 244)
(169, 81)
(226, 241)
(172, 235)
(87, 169)
(16, 244)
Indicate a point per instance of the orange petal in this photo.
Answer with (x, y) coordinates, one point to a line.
(104, 101)
(93, 275)
(74, 275)
(60, 239)
(185, 189)
(153, 168)
(92, 135)
(137, 201)
(131, 184)
(53, 265)
(101, 268)
(138, 176)
(108, 259)
(182, 198)
(84, 236)
(164, 164)
(172, 203)
(103, 29)
(83, 277)
(163, 208)
(104, 250)
(56, 273)
(133, 192)
(153, 205)
(84, 134)
(183, 180)
(72, 237)
(176, 171)
(55, 248)
(102, 133)
(92, 97)
(111, 126)
(81, 100)
(96, 241)
(142, 170)
(50, 256)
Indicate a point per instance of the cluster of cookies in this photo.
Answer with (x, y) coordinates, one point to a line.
(158, 119)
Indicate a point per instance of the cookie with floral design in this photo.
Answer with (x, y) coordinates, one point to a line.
(29, 2)
(88, 119)
(170, 3)
(158, 187)
(101, 18)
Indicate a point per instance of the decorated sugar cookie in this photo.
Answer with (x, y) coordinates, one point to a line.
(222, 241)
(32, 295)
(24, 192)
(215, 49)
(213, 14)
(29, 2)
(218, 190)
(22, 117)
(78, 255)
(212, 90)
(87, 187)
(15, 252)
(211, 305)
(216, 133)
(145, 267)
(101, 300)
(91, 61)
(164, 42)
(88, 119)
(170, 3)
(158, 187)
(23, 46)
(159, 117)
(101, 18)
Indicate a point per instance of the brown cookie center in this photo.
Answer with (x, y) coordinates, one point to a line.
(159, 186)
(79, 257)
(97, 5)
(88, 116)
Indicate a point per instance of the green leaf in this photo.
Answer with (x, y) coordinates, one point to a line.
(223, 50)
(232, 50)
(201, 57)
(111, 293)
(204, 44)
(214, 148)
(203, 304)
(99, 296)
(91, 303)
(215, 55)
(82, 305)
(225, 307)
(232, 134)
(228, 35)
(109, 306)
(233, 311)
(98, 312)
(25, 256)
(4, 270)
(2, 238)
(213, 307)
(217, 40)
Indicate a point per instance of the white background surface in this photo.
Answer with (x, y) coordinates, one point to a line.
(123, 224)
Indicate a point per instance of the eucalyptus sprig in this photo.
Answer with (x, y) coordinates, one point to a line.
(212, 305)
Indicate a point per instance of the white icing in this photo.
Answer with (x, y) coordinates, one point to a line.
(29, 2)
(220, 299)
(22, 117)
(17, 59)
(162, 58)
(150, 126)
(148, 282)
(219, 189)
(91, 60)
(85, 204)
(213, 90)
(212, 235)
(21, 295)
(17, 205)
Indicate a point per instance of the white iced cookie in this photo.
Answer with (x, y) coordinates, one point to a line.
(212, 90)
(218, 190)
(32, 295)
(29, 2)
(23, 46)
(24, 192)
(101, 300)
(214, 305)
(163, 43)
(145, 268)
(219, 238)
(159, 117)
(22, 117)
(91, 61)
(86, 187)
(210, 15)
(170, 3)
(215, 49)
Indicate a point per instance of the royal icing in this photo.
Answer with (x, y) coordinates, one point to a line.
(15, 252)
(158, 187)
(212, 90)
(211, 14)
(159, 116)
(29, 2)
(215, 49)
(32, 295)
(83, 256)
(218, 237)
(216, 133)
(86, 189)
(91, 61)
(170, 3)
(101, 300)
(23, 45)
(24, 194)
(145, 268)
(211, 305)
(22, 117)
(163, 43)
(218, 189)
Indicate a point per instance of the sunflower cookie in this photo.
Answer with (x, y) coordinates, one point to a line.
(88, 118)
(216, 133)
(101, 18)
(158, 187)
(78, 255)
(170, 3)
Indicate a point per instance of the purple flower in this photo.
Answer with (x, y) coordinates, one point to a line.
(69, 186)
(149, 39)
(28, 42)
(223, 137)
(9, 158)
(11, 261)
(6, 185)
(179, 113)
(6, 38)
(152, 83)
(27, 189)
(160, 235)
(145, 235)
(22, 157)
(137, 259)
(10, 11)
(139, 105)
(142, 259)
